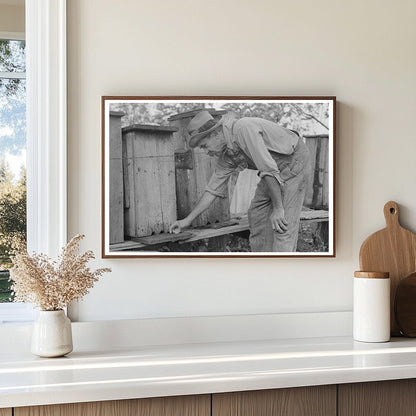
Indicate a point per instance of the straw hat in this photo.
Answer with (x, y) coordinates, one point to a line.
(200, 126)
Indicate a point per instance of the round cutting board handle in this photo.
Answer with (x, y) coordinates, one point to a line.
(391, 214)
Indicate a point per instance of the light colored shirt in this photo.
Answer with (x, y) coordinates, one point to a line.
(256, 138)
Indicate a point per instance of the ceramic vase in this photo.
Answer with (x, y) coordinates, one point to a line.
(52, 334)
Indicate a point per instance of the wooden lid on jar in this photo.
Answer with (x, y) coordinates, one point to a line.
(372, 275)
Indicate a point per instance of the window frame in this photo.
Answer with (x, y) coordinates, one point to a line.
(46, 125)
(46, 121)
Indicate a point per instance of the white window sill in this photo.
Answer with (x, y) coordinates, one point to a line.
(16, 313)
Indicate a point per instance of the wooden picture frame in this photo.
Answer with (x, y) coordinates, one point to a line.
(152, 177)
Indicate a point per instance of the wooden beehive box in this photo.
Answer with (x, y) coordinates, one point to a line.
(193, 172)
(317, 192)
(149, 179)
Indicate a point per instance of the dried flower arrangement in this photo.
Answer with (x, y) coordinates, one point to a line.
(53, 285)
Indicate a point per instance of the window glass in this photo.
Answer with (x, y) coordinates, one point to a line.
(12, 56)
(12, 156)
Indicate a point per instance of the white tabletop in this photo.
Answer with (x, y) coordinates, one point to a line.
(149, 371)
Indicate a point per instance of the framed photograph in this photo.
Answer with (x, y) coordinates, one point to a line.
(218, 177)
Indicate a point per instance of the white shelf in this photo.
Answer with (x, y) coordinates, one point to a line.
(151, 371)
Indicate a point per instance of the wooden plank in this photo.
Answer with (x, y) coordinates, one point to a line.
(5, 412)
(147, 195)
(194, 191)
(117, 113)
(223, 224)
(300, 401)
(315, 136)
(127, 245)
(167, 191)
(311, 144)
(317, 179)
(160, 406)
(130, 213)
(126, 179)
(182, 176)
(325, 179)
(179, 141)
(184, 159)
(115, 137)
(219, 229)
(312, 214)
(383, 398)
(141, 128)
(242, 225)
(167, 183)
(323, 174)
(183, 206)
(116, 212)
(203, 233)
(317, 191)
(163, 238)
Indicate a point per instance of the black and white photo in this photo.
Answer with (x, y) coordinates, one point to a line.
(218, 176)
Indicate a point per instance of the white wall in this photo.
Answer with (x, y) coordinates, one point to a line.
(363, 52)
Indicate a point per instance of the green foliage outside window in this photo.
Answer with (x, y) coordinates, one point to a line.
(12, 223)
(12, 145)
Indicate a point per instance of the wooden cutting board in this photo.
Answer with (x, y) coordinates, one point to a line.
(405, 306)
(393, 250)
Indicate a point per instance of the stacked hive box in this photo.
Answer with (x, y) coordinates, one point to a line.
(149, 179)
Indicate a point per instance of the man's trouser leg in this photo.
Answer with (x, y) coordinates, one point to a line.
(293, 195)
(262, 237)
(259, 218)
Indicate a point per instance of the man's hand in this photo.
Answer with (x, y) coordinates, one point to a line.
(278, 220)
(177, 226)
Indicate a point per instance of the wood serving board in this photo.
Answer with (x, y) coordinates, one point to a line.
(405, 306)
(392, 250)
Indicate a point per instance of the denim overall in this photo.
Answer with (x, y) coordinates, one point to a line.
(294, 171)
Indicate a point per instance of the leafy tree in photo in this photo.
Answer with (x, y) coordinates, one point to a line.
(154, 113)
(306, 118)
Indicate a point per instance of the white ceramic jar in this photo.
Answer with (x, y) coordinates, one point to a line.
(52, 334)
(371, 309)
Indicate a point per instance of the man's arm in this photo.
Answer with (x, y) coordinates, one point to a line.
(217, 187)
(204, 203)
(277, 217)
